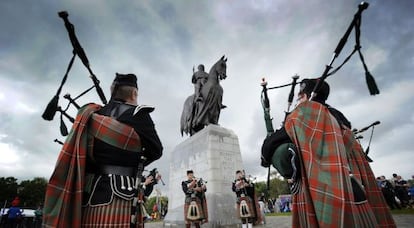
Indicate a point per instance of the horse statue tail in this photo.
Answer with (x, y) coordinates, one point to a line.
(187, 116)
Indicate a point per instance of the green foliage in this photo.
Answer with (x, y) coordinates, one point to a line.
(30, 192)
(8, 189)
(151, 201)
(277, 186)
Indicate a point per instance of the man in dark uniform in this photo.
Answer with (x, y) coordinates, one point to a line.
(102, 155)
(248, 209)
(195, 206)
(198, 79)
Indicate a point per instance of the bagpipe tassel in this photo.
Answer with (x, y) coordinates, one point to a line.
(372, 85)
(51, 109)
(63, 128)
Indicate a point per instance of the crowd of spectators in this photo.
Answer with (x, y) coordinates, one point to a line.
(397, 191)
(277, 205)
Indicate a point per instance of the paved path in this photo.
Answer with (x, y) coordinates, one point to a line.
(403, 221)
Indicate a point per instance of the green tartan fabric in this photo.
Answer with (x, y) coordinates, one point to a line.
(328, 155)
(62, 207)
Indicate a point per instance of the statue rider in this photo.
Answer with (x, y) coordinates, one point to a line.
(199, 78)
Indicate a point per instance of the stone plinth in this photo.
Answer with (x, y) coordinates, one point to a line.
(214, 155)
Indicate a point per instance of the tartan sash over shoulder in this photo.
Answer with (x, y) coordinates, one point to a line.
(62, 207)
(328, 155)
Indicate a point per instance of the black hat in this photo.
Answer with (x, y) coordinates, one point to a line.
(307, 86)
(125, 80)
(189, 171)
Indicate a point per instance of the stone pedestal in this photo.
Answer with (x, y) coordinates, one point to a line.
(214, 155)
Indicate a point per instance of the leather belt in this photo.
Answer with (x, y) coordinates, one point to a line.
(117, 170)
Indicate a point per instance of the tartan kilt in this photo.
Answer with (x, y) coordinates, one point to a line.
(115, 214)
(357, 215)
(254, 209)
(201, 204)
(250, 205)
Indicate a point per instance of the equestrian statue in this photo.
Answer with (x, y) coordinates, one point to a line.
(203, 107)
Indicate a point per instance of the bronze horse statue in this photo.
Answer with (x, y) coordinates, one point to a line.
(198, 114)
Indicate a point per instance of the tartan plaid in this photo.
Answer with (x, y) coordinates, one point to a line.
(327, 156)
(363, 172)
(116, 214)
(63, 199)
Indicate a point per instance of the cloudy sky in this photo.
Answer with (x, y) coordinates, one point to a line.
(161, 41)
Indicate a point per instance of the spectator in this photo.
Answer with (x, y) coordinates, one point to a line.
(270, 205)
(262, 209)
(411, 194)
(393, 179)
(278, 205)
(401, 190)
(14, 214)
(388, 192)
(38, 216)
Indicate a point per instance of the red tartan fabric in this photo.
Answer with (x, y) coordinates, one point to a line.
(62, 207)
(116, 214)
(327, 156)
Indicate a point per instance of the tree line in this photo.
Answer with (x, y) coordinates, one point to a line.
(30, 192)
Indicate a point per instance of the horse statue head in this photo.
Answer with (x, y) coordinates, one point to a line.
(219, 69)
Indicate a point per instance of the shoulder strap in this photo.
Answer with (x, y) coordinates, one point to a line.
(146, 108)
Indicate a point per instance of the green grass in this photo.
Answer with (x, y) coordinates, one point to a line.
(403, 211)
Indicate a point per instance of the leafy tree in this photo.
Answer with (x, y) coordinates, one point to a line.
(32, 192)
(152, 200)
(8, 189)
(277, 186)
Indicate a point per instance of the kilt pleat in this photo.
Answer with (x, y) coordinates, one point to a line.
(365, 216)
(115, 214)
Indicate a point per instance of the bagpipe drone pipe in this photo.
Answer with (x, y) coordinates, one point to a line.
(53, 105)
(358, 137)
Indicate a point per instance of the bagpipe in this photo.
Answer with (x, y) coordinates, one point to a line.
(372, 86)
(266, 110)
(153, 173)
(358, 137)
(53, 106)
